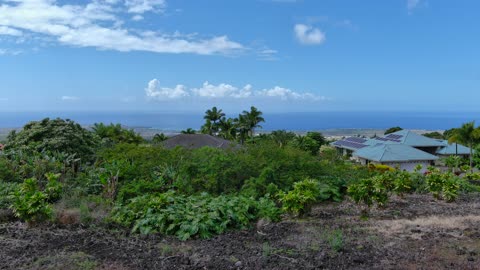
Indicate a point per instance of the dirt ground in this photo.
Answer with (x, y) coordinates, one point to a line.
(417, 232)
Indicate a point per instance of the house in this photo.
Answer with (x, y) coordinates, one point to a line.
(453, 149)
(2, 146)
(194, 141)
(404, 149)
(399, 156)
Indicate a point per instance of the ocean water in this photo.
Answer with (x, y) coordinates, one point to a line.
(274, 121)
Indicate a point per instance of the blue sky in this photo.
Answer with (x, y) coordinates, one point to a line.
(280, 55)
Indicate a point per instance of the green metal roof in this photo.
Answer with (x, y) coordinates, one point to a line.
(393, 153)
(453, 149)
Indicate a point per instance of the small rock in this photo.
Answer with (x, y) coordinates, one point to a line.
(239, 264)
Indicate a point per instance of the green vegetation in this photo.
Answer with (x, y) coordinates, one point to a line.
(201, 215)
(392, 130)
(57, 171)
(113, 134)
(32, 204)
(53, 136)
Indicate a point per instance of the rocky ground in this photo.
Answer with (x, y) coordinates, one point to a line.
(417, 232)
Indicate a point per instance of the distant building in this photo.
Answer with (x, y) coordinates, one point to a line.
(403, 149)
(2, 146)
(193, 141)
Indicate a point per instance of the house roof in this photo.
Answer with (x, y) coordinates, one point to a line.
(193, 141)
(393, 153)
(453, 149)
(410, 138)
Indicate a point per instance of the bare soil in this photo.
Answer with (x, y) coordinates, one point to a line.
(416, 232)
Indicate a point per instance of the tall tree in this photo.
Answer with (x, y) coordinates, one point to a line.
(207, 128)
(468, 135)
(214, 115)
(227, 128)
(254, 118)
(243, 126)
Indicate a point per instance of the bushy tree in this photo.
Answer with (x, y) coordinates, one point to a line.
(54, 135)
(113, 134)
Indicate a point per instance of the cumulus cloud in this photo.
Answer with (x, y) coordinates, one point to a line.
(96, 24)
(155, 91)
(308, 35)
(69, 98)
(222, 90)
(226, 91)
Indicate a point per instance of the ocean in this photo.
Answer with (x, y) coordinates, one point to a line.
(274, 121)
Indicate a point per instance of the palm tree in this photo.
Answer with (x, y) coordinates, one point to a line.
(243, 127)
(253, 117)
(282, 137)
(207, 127)
(227, 128)
(214, 115)
(158, 138)
(188, 131)
(468, 135)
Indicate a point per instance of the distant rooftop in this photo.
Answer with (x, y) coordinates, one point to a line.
(193, 141)
(410, 138)
(393, 153)
(453, 149)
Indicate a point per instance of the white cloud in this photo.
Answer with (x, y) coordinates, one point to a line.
(9, 31)
(412, 4)
(267, 54)
(308, 35)
(142, 6)
(97, 25)
(287, 94)
(226, 91)
(222, 90)
(69, 98)
(154, 91)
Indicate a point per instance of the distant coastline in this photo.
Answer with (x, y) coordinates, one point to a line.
(331, 124)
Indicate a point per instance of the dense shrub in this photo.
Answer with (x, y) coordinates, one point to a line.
(443, 185)
(203, 215)
(32, 204)
(300, 199)
(6, 192)
(365, 192)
